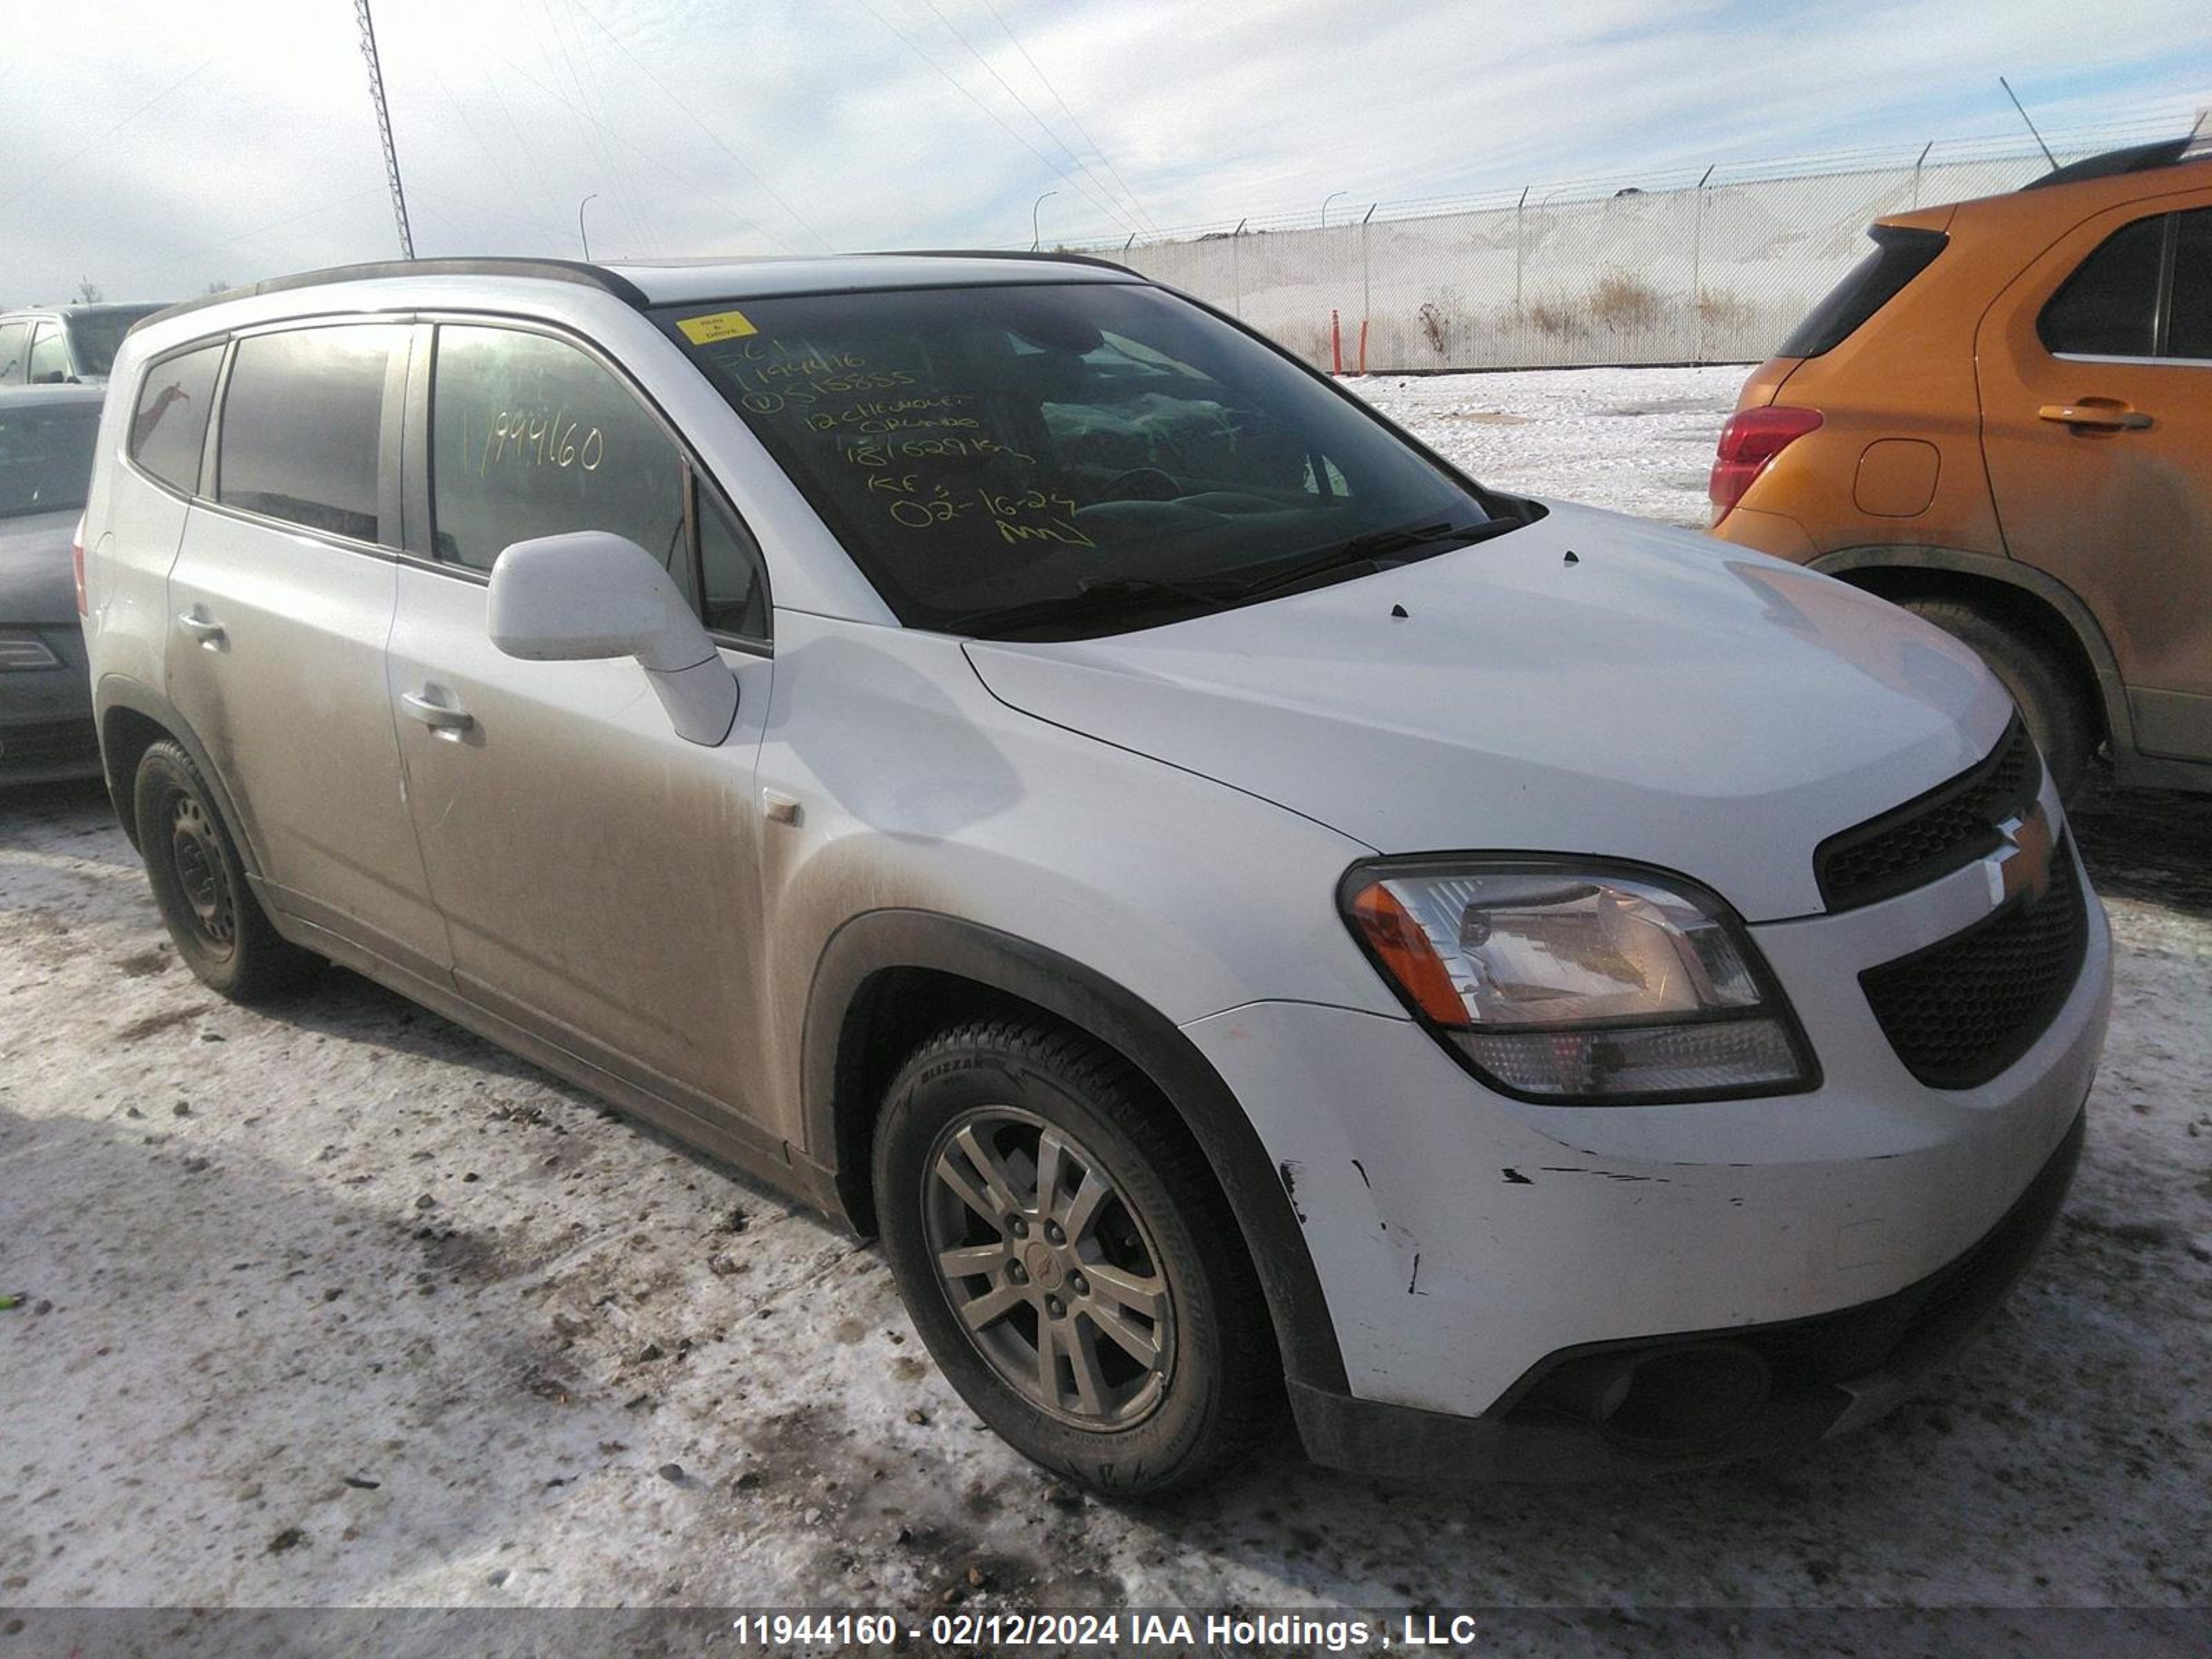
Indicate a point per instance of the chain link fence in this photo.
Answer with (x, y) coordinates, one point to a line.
(1715, 267)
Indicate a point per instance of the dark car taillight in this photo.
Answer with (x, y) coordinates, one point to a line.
(1752, 438)
(76, 567)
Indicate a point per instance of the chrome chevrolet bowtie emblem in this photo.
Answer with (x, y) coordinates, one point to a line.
(2022, 864)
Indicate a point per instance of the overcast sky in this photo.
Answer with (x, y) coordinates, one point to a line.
(157, 147)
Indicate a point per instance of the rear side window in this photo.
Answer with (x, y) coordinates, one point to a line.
(170, 418)
(303, 422)
(531, 437)
(2189, 308)
(2109, 307)
(15, 349)
(1900, 255)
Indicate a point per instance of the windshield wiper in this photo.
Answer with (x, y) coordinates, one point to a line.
(1094, 601)
(1371, 549)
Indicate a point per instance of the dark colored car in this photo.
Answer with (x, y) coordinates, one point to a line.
(46, 437)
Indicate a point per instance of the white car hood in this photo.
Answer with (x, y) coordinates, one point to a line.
(1665, 698)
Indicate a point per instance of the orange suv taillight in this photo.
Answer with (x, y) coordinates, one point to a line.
(76, 567)
(1752, 438)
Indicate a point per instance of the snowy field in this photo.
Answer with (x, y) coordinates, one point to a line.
(341, 1306)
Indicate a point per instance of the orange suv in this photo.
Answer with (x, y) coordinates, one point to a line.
(2001, 419)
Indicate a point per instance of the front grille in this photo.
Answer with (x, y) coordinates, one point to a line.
(1960, 1011)
(50, 744)
(1929, 837)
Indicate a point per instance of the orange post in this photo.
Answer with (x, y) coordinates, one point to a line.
(1335, 345)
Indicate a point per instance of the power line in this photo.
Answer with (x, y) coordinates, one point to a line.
(77, 160)
(1023, 104)
(1075, 120)
(704, 195)
(773, 193)
(384, 126)
(962, 88)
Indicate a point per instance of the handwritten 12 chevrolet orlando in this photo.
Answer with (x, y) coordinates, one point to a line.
(1001, 751)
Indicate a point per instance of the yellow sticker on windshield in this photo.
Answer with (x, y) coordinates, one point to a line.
(716, 326)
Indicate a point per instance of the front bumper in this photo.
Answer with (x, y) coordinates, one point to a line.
(1814, 1378)
(46, 731)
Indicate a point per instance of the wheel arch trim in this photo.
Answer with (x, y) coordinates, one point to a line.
(116, 691)
(837, 1122)
(2061, 600)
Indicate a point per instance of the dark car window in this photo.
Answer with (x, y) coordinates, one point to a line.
(96, 336)
(731, 568)
(531, 437)
(170, 418)
(2189, 308)
(49, 362)
(15, 352)
(1900, 254)
(1062, 447)
(45, 457)
(302, 418)
(2109, 307)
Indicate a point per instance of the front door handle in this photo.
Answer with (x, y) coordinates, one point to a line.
(2106, 414)
(198, 625)
(443, 718)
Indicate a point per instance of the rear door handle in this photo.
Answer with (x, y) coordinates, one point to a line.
(443, 718)
(2101, 412)
(198, 625)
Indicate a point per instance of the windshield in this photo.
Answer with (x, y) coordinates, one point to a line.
(96, 336)
(1067, 460)
(45, 458)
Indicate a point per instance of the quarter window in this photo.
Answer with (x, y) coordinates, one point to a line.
(730, 568)
(530, 437)
(170, 418)
(302, 426)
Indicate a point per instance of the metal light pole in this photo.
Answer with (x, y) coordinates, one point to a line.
(1325, 200)
(583, 235)
(1035, 237)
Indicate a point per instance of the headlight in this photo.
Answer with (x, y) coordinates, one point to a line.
(1580, 983)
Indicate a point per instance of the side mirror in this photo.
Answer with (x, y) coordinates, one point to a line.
(592, 595)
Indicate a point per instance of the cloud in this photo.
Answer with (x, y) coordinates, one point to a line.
(788, 126)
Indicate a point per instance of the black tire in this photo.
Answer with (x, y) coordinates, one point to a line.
(1210, 1396)
(216, 923)
(2052, 700)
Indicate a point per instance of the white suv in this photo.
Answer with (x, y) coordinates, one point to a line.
(997, 750)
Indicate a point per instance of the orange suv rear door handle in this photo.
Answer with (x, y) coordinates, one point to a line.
(2101, 412)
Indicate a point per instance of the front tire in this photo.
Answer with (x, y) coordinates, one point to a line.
(1070, 1262)
(2055, 707)
(199, 884)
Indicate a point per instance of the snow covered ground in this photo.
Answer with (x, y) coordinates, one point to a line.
(338, 1305)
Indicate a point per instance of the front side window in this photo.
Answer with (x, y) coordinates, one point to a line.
(302, 426)
(2109, 305)
(1052, 459)
(49, 361)
(14, 353)
(170, 418)
(530, 437)
(45, 457)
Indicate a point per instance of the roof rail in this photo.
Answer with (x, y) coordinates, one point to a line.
(1000, 253)
(552, 271)
(2112, 163)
